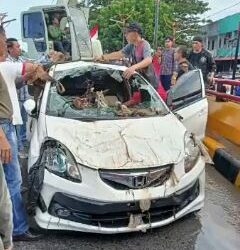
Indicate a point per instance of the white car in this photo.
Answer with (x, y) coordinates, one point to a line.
(96, 165)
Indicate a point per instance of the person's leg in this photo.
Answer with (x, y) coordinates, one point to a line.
(58, 46)
(14, 180)
(24, 126)
(166, 81)
(163, 81)
(21, 129)
(67, 46)
(19, 138)
(6, 225)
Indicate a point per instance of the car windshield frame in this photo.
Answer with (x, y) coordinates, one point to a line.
(73, 72)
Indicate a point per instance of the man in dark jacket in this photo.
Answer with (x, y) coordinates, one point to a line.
(202, 59)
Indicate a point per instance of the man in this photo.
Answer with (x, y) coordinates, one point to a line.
(183, 65)
(5, 214)
(202, 59)
(138, 51)
(9, 72)
(6, 225)
(57, 36)
(14, 55)
(168, 66)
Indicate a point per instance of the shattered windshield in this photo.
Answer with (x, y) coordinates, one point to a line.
(95, 93)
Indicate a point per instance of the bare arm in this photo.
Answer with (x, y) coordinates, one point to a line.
(143, 64)
(113, 56)
(34, 72)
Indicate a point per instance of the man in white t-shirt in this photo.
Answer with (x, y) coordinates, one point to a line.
(9, 72)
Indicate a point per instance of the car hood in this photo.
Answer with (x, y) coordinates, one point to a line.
(121, 144)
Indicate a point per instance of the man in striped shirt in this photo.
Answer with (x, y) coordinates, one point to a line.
(168, 66)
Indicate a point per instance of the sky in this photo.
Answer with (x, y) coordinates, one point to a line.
(15, 7)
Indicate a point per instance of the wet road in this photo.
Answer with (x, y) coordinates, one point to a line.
(216, 226)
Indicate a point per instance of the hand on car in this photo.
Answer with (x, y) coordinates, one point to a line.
(128, 73)
(99, 59)
(38, 76)
(5, 150)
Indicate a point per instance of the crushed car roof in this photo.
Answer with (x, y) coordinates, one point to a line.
(77, 64)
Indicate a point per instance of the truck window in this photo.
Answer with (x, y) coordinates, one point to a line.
(33, 27)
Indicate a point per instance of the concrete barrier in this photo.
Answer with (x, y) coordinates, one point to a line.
(224, 120)
(224, 162)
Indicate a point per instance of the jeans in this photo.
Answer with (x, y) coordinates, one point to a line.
(62, 46)
(22, 129)
(6, 225)
(166, 81)
(14, 180)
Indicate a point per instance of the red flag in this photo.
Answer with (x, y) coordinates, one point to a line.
(94, 32)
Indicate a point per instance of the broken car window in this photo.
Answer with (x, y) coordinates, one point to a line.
(97, 93)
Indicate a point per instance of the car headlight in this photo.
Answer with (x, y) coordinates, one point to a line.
(192, 152)
(59, 160)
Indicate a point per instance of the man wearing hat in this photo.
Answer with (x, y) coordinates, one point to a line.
(138, 51)
(202, 59)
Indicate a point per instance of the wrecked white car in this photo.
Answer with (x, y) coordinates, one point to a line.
(100, 163)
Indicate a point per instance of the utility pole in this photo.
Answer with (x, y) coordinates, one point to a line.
(155, 38)
(236, 58)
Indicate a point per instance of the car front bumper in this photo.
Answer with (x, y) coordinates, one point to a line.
(68, 211)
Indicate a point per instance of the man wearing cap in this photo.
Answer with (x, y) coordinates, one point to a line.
(138, 50)
(202, 59)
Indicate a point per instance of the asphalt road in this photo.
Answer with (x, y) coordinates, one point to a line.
(216, 226)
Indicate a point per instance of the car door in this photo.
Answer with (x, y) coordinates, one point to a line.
(81, 40)
(187, 99)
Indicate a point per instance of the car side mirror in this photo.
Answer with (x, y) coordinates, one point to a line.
(29, 106)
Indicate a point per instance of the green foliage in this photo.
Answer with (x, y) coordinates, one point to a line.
(186, 14)
(106, 12)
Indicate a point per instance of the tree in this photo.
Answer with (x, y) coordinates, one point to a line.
(112, 16)
(186, 16)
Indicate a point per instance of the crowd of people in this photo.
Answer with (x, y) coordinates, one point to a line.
(162, 70)
(13, 72)
(168, 63)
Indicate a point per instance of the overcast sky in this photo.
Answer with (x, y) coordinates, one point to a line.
(14, 8)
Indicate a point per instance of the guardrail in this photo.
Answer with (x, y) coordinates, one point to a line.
(221, 94)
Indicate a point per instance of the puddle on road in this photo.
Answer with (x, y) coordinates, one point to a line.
(220, 217)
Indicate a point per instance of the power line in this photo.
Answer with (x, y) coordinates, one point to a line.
(220, 11)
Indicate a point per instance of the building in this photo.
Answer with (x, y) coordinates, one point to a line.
(221, 39)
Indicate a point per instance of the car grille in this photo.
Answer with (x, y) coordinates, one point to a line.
(115, 215)
(136, 179)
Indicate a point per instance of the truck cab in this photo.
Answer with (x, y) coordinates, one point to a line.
(73, 23)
